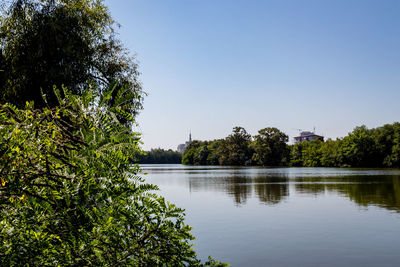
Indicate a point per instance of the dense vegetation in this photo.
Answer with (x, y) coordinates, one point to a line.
(160, 156)
(69, 195)
(71, 43)
(268, 148)
(378, 147)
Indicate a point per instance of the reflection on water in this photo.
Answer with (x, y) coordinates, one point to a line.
(271, 185)
(288, 216)
(271, 192)
(237, 187)
(382, 191)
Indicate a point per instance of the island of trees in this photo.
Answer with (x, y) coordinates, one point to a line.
(69, 195)
(363, 147)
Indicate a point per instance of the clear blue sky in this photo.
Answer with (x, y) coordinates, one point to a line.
(211, 65)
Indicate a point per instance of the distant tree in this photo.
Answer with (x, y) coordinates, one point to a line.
(296, 154)
(378, 147)
(312, 153)
(393, 160)
(233, 150)
(201, 154)
(188, 157)
(237, 148)
(358, 149)
(216, 149)
(160, 156)
(387, 141)
(363, 147)
(329, 150)
(270, 147)
(306, 154)
(71, 43)
(222, 153)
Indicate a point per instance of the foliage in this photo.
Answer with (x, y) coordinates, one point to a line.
(357, 148)
(363, 147)
(270, 147)
(64, 43)
(330, 154)
(69, 195)
(201, 154)
(312, 153)
(378, 147)
(239, 149)
(159, 155)
(190, 150)
(216, 150)
(387, 140)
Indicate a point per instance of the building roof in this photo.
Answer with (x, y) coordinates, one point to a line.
(308, 135)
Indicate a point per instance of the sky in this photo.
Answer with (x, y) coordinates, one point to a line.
(211, 65)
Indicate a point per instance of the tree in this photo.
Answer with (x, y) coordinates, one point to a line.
(159, 155)
(70, 197)
(237, 148)
(329, 150)
(201, 154)
(312, 153)
(358, 149)
(387, 142)
(270, 147)
(393, 160)
(190, 151)
(72, 43)
(296, 154)
(216, 149)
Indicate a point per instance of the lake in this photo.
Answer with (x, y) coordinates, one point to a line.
(253, 216)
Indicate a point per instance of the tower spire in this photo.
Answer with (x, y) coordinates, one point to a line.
(190, 136)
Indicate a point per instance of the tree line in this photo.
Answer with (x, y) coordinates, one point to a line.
(160, 156)
(267, 148)
(363, 147)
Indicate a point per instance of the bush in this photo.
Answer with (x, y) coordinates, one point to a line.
(69, 195)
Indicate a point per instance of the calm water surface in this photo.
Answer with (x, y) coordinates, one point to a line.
(288, 216)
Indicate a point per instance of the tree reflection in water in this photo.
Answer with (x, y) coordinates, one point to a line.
(239, 188)
(271, 190)
(379, 190)
(382, 191)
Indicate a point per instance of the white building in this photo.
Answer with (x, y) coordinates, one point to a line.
(181, 147)
(307, 136)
